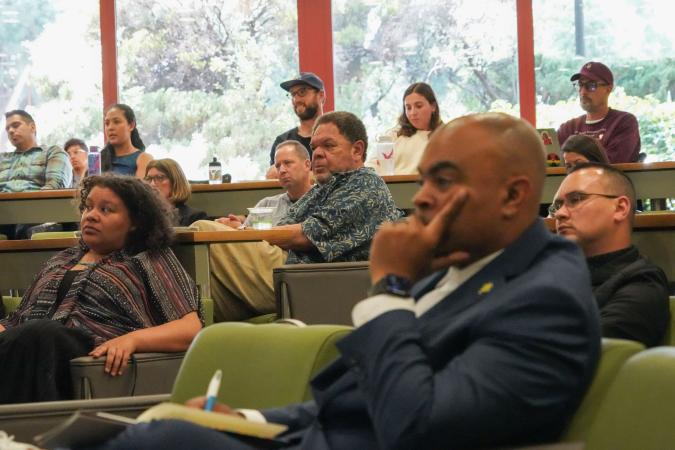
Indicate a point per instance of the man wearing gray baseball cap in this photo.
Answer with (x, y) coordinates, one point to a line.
(307, 97)
(618, 131)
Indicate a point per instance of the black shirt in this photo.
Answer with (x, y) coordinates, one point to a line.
(291, 134)
(632, 295)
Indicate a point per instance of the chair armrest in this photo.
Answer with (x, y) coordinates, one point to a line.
(147, 374)
(320, 293)
(26, 420)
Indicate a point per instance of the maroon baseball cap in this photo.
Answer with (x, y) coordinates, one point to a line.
(595, 71)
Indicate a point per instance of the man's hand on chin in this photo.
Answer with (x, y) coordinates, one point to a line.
(409, 248)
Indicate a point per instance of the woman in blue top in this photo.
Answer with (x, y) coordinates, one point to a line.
(124, 152)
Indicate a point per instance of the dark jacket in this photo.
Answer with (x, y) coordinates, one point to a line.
(186, 215)
(503, 360)
(632, 295)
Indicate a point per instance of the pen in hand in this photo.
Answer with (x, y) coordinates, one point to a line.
(212, 391)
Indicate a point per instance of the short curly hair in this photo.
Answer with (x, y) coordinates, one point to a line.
(149, 214)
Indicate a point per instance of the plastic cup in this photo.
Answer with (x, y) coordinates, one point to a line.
(385, 157)
(261, 217)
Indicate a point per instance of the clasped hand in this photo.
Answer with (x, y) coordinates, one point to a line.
(231, 221)
(117, 351)
(409, 248)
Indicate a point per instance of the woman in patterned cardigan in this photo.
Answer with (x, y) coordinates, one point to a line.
(120, 291)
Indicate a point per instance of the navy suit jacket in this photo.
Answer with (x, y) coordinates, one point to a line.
(503, 360)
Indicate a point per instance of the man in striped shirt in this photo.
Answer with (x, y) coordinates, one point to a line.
(31, 167)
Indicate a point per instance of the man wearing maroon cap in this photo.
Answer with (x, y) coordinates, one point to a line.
(617, 130)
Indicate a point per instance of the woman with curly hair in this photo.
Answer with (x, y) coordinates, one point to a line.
(420, 117)
(120, 291)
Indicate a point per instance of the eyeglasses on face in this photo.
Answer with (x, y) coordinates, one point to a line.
(300, 92)
(156, 179)
(573, 200)
(590, 86)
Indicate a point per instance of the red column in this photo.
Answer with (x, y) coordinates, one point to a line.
(315, 42)
(108, 51)
(526, 61)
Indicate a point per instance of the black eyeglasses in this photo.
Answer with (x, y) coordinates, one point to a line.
(591, 86)
(300, 92)
(157, 179)
(573, 200)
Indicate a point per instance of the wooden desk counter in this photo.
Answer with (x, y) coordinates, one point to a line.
(655, 180)
(651, 180)
(212, 237)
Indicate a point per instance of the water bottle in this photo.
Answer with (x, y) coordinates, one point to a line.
(215, 172)
(93, 161)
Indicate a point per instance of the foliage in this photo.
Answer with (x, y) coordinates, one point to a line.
(20, 23)
(203, 75)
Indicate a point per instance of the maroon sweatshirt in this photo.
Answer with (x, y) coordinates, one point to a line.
(618, 132)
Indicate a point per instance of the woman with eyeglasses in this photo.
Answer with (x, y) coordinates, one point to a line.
(124, 152)
(420, 117)
(580, 148)
(167, 178)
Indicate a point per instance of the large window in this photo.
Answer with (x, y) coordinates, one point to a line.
(635, 38)
(50, 65)
(203, 78)
(465, 49)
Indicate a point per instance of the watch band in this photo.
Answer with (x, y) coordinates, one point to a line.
(391, 284)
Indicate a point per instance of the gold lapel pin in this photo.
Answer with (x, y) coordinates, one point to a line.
(486, 288)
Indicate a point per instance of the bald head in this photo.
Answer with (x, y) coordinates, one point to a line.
(512, 148)
(499, 160)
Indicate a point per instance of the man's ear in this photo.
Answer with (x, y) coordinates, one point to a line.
(517, 191)
(623, 209)
(358, 148)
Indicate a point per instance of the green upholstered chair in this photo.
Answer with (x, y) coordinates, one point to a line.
(669, 338)
(615, 352)
(638, 411)
(263, 365)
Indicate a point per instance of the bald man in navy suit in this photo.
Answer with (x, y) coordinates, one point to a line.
(481, 330)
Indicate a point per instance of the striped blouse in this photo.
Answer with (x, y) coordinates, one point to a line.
(120, 294)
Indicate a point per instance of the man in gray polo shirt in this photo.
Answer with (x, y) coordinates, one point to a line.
(291, 160)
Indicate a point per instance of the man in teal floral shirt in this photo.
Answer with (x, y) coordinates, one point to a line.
(30, 167)
(334, 221)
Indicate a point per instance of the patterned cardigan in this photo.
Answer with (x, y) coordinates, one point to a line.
(120, 294)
